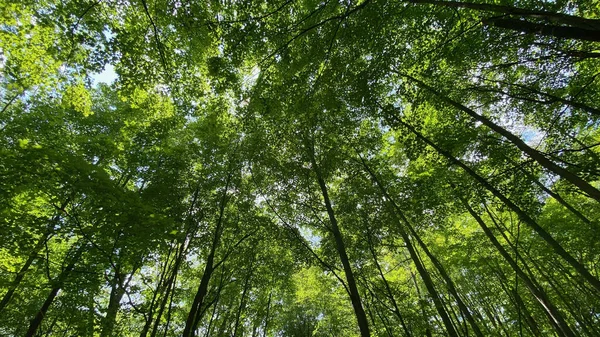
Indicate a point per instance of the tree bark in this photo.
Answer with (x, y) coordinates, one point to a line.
(23, 271)
(426, 277)
(192, 319)
(116, 293)
(556, 197)
(422, 306)
(451, 287)
(243, 298)
(388, 289)
(266, 328)
(518, 301)
(31, 258)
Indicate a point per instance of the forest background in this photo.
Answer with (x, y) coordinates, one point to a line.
(299, 168)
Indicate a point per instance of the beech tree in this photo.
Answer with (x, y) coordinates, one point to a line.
(299, 168)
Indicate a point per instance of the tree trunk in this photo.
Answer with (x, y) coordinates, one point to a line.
(558, 18)
(32, 257)
(23, 271)
(451, 287)
(266, 328)
(426, 277)
(243, 298)
(396, 310)
(554, 315)
(193, 316)
(39, 317)
(116, 293)
(524, 216)
(518, 301)
(422, 306)
(527, 96)
(556, 197)
(532, 153)
(527, 27)
(359, 312)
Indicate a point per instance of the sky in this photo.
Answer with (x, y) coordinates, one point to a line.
(107, 76)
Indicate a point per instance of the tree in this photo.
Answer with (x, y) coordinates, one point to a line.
(301, 168)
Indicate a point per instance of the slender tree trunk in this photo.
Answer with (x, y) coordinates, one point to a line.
(556, 318)
(527, 96)
(361, 316)
(31, 258)
(223, 326)
(518, 301)
(243, 298)
(527, 27)
(216, 302)
(193, 316)
(373, 322)
(23, 271)
(451, 287)
(532, 153)
(161, 286)
(571, 307)
(396, 310)
(426, 277)
(168, 287)
(266, 328)
(556, 197)
(386, 323)
(558, 18)
(35, 323)
(422, 305)
(580, 268)
(116, 293)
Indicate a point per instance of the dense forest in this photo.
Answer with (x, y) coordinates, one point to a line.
(299, 168)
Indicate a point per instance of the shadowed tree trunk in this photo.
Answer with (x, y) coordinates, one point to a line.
(451, 287)
(534, 154)
(522, 214)
(31, 258)
(361, 316)
(556, 318)
(193, 319)
(559, 18)
(35, 323)
(527, 27)
(396, 310)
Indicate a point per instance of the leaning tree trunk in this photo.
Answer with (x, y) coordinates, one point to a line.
(23, 271)
(242, 305)
(31, 258)
(527, 27)
(580, 268)
(388, 289)
(517, 301)
(359, 312)
(450, 284)
(556, 318)
(426, 277)
(39, 317)
(515, 140)
(558, 18)
(193, 316)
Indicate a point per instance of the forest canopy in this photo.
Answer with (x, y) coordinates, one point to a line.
(299, 168)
